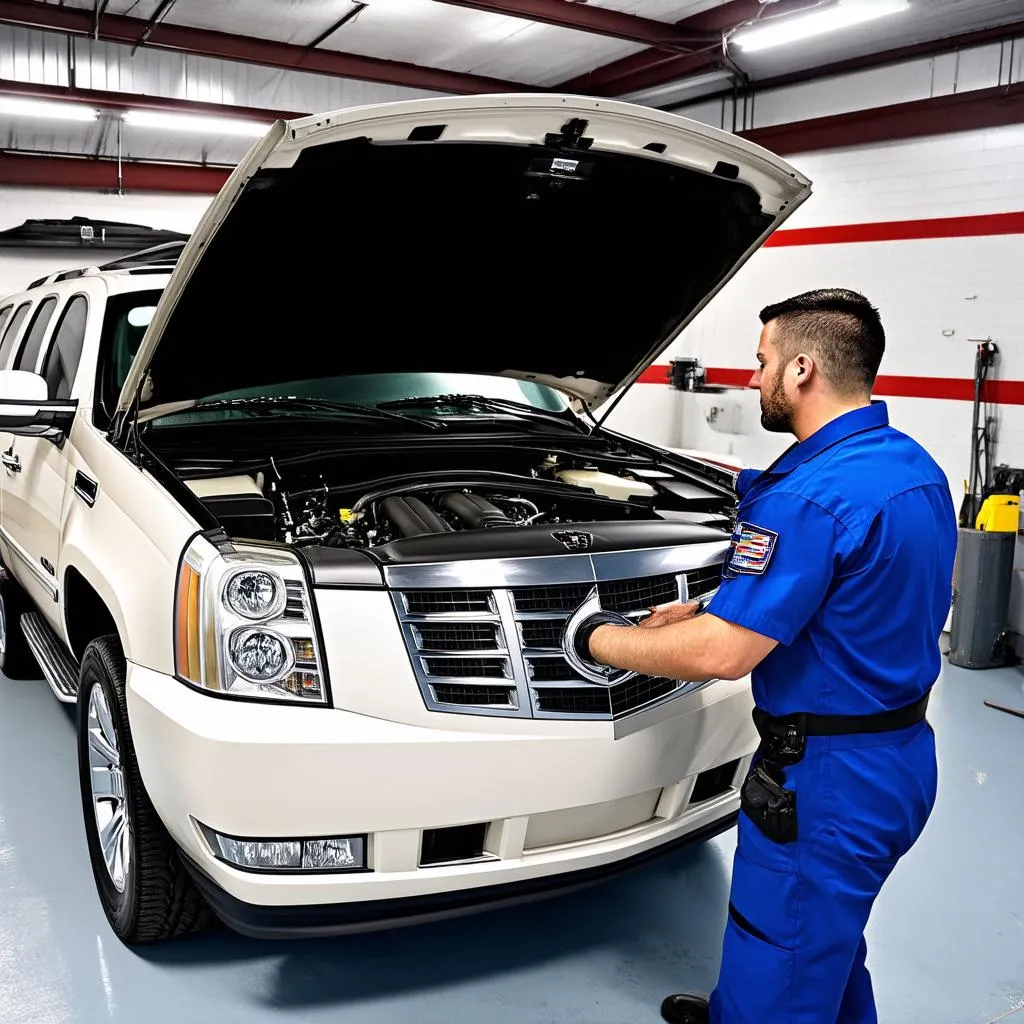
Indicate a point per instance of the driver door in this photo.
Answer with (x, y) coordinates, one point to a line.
(33, 465)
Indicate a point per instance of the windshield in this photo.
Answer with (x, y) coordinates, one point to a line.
(380, 389)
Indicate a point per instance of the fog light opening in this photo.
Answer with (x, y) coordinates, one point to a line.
(296, 856)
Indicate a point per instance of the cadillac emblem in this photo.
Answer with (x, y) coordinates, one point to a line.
(574, 540)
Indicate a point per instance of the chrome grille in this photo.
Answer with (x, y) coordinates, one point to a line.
(637, 595)
(446, 602)
(598, 700)
(295, 603)
(466, 642)
(542, 634)
(550, 599)
(701, 582)
(468, 668)
(475, 696)
(457, 636)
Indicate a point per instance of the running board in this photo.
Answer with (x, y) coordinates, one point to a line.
(58, 666)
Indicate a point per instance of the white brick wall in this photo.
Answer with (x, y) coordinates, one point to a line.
(934, 295)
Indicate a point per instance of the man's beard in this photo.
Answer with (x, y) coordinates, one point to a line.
(776, 414)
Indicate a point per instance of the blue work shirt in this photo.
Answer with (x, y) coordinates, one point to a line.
(843, 553)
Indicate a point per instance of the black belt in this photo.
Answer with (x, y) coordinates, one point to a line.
(843, 725)
(763, 796)
(786, 735)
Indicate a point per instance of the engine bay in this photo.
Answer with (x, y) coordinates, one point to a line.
(364, 502)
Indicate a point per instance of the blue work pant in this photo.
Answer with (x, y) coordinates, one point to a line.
(794, 950)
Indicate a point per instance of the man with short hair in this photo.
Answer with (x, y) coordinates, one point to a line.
(835, 591)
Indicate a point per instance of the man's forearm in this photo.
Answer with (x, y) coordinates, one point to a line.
(697, 649)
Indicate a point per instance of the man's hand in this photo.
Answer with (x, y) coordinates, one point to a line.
(666, 614)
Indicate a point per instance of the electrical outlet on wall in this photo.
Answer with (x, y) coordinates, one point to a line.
(725, 418)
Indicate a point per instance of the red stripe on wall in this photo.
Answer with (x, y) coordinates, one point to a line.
(903, 230)
(956, 389)
(655, 375)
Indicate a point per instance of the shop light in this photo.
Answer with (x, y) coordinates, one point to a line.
(47, 109)
(792, 28)
(195, 123)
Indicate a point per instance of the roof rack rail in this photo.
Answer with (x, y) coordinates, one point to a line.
(155, 258)
(165, 254)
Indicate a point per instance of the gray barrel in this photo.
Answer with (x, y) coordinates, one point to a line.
(981, 598)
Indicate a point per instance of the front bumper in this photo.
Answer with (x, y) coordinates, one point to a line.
(563, 802)
(323, 919)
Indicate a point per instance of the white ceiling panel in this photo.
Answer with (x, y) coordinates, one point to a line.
(660, 10)
(457, 39)
(30, 56)
(287, 21)
(35, 136)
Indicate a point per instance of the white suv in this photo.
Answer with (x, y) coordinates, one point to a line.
(298, 516)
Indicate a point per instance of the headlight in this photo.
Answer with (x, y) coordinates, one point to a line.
(259, 655)
(254, 594)
(243, 625)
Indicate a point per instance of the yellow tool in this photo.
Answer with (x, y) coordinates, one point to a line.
(1000, 513)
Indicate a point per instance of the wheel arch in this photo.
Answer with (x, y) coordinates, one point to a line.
(90, 610)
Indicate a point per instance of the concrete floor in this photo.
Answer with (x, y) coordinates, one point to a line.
(946, 941)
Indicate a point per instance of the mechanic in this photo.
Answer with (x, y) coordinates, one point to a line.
(835, 590)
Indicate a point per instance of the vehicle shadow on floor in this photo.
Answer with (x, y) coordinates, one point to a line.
(664, 920)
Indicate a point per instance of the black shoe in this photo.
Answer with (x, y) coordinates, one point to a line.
(685, 1009)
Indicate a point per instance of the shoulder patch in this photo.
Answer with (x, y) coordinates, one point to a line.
(750, 551)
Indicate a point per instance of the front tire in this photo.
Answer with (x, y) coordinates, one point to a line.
(16, 658)
(144, 889)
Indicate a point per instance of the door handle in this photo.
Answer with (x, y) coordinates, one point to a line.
(11, 461)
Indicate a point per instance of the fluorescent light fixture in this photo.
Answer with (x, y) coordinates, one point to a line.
(46, 109)
(195, 123)
(678, 89)
(792, 28)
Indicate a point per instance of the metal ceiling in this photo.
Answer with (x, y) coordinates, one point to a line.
(263, 57)
(561, 41)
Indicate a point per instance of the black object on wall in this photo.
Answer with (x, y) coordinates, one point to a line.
(85, 233)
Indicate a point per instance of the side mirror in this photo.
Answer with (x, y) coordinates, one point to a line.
(26, 410)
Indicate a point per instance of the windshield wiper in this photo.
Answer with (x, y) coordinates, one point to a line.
(344, 410)
(482, 403)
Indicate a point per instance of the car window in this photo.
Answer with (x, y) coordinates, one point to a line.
(11, 334)
(5, 314)
(34, 339)
(125, 320)
(66, 349)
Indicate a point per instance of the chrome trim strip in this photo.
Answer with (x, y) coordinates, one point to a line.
(42, 577)
(554, 570)
(488, 573)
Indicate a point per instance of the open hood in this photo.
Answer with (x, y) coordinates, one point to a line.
(551, 238)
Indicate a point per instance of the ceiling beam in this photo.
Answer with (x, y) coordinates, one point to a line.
(103, 99)
(651, 67)
(940, 115)
(981, 108)
(36, 171)
(602, 21)
(116, 28)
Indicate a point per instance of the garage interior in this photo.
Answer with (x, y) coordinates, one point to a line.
(120, 120)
